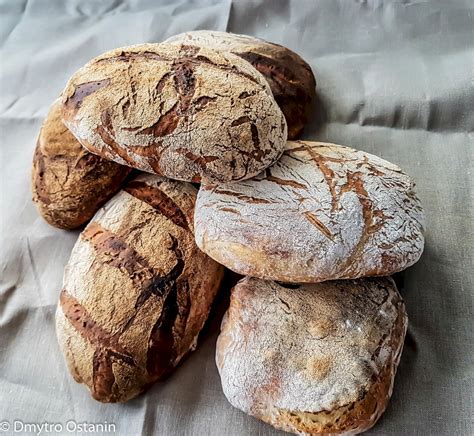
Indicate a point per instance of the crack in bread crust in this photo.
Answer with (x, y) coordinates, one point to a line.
(171, 110)
(322, 212)
(107, 345)
(69, 184)
(137, 290)
(312, 359)
(290, 78)
(159, 200)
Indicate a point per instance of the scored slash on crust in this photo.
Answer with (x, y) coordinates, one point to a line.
(175, 144)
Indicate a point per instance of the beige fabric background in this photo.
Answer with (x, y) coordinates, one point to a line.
(395, 78)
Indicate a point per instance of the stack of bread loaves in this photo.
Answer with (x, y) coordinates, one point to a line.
(314, 332)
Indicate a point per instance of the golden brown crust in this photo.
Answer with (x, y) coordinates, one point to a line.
(69, 184)
(290, 78)
(312, 359)
(187, 113)
(137, 290)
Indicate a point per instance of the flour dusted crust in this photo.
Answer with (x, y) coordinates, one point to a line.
(322, 212)
(136, 290)
(314, 358)
(69, 184)
(184, 112)
(290, 78)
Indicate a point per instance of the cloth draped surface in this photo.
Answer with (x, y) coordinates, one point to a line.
(395, 78)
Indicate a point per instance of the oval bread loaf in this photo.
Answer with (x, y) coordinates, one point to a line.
(69, 184)
(322, 212)
(312, 359)
(137, 290)
(187, 113)
(290, 78)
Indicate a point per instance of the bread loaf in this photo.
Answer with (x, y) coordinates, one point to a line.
(290, 78)
(137, 290)
(187, 113)
(69, 184)
(312, 359)
(322, 212)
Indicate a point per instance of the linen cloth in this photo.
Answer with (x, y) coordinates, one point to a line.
(395, 78)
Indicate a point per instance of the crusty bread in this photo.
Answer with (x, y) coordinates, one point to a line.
(137, 290)
(312, 359)
(290, 78)
(187, 113)
(69, 184)
(322, 212)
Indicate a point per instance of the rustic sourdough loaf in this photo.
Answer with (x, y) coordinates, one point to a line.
(137, 290)
(315, 358)
(184, 112)
(290, 78)
(69, 184)
(322, 212)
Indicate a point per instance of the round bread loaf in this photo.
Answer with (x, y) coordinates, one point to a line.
(312, 359)
(322, 212)
(290, 78)
(69, 184)
(137, 290)
(187, 113)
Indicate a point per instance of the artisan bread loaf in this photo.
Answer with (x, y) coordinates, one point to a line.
(290, 78)
(187, 113)
(322, 212)
(69, 184)
(315, 358)
(137, 290)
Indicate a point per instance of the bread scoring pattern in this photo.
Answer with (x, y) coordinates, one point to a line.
(137, 290)
(185, 112)
(290, 78)
(68, 183)
(322, 212)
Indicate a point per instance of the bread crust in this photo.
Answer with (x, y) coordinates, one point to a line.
(184, 112)
(136, 290)
(322, 212)
(68, 183)
(290, 78)
(312, 359)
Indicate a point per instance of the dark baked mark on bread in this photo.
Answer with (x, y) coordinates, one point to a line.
(282, 182)
(318, 224)
(355, 184)
(200, 161)
(107, 346)
(167, 287)
(156, 198)
(292, 84)
(74, 102)
(165, 125)
(40, 187)
(129, 56)
(69, 184)
(367, 221)
(328, 173)
(162, 285)
(161, 351)
(245, 198)
(113, 251)
(135, 304)
(290, 78)
(133, 123)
